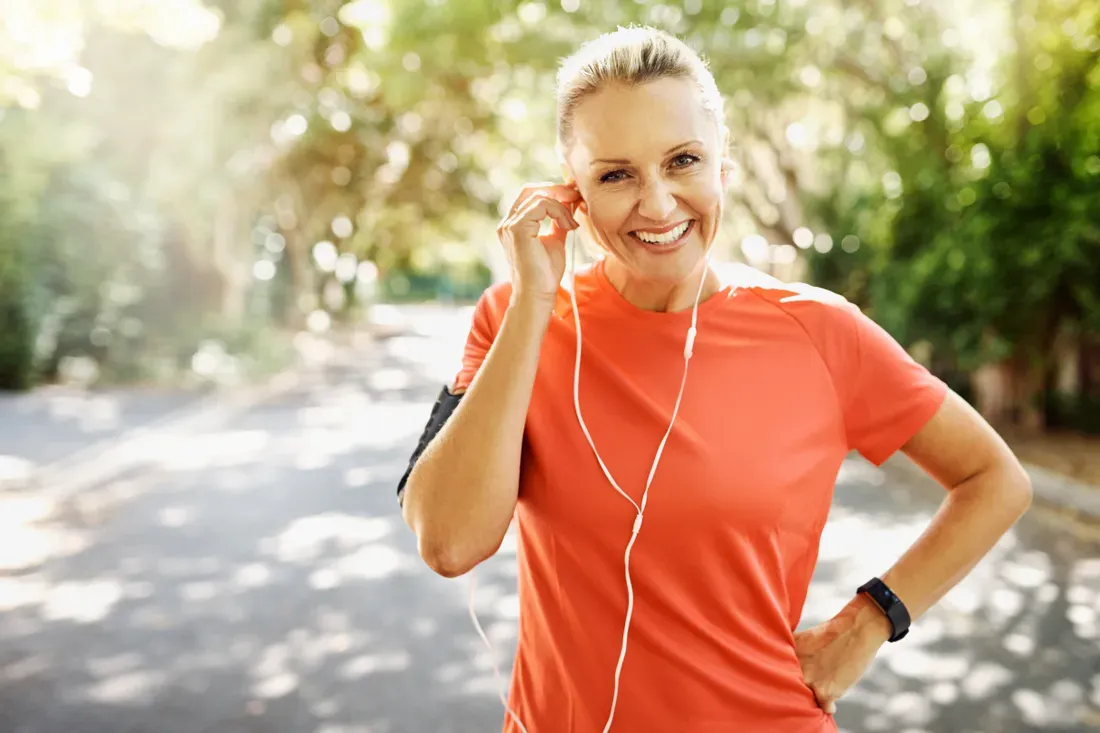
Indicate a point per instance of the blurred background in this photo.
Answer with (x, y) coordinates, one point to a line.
(182, 179)
(239, 242)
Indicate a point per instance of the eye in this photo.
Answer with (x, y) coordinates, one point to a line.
(685, 160)
(612, 176)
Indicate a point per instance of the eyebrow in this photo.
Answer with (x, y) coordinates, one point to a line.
(622, 161)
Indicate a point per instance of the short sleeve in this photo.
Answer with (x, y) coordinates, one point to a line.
(888, 396)
(486, 322)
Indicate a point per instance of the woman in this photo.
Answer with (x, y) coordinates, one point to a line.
(782, 385)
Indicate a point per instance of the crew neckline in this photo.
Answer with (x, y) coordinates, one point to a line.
(705, 306)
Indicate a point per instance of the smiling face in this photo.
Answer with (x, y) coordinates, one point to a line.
(648, 164)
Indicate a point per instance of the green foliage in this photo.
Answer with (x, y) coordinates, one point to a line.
(16, 328)
(991, 243)
(17, 212)
(446, 285)
(1074, 412)
(184, 197)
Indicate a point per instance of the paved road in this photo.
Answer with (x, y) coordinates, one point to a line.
(49, 424)
(257, 578)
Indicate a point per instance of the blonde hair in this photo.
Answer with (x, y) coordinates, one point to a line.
(630, 56)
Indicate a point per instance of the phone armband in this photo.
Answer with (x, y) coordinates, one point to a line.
(442, 410)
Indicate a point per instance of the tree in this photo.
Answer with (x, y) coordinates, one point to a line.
(990, 248)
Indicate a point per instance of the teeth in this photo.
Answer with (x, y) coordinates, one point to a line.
(666, 238)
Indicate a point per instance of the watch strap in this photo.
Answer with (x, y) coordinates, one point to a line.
(890, 605)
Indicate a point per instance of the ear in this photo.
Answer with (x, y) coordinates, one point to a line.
(729, 167)
(728, 164)
(563, 162)
(571, 180)
(567, 175)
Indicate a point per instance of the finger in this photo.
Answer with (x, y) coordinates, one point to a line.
(566, 193)
(823, 701)
(555, 238)
(830, 708)
(555, 206)
(540, 208)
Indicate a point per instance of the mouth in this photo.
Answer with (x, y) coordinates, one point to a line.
(666, 241)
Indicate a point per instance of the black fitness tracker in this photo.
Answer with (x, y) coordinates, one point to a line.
(890, 605)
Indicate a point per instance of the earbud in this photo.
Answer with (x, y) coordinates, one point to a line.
(728, 166)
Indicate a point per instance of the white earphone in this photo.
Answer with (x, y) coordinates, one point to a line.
(689, 345)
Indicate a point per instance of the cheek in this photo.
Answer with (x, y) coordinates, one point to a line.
(708, 202)
(707, 195)
(608, 212)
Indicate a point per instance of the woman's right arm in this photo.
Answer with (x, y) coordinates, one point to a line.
(461, 492)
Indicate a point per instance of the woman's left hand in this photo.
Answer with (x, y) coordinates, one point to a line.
(836, 654)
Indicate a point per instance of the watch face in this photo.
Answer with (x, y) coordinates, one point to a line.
(890, 604)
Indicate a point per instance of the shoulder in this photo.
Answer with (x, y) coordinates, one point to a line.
(491, 306)
(824, 321)
(497, 295)
(809, 305)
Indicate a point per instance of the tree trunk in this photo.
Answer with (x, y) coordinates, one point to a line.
(992, 385)
(301, 280)
(233, 269)
(1029, 397)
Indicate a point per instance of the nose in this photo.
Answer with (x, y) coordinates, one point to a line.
(656, 201)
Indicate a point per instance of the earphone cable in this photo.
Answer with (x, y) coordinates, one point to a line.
(689, 344)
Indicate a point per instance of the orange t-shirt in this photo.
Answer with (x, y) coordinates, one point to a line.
(777, 395)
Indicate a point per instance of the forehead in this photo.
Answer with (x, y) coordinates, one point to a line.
(639, 122)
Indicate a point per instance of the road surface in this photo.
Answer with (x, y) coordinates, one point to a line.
(257, 578)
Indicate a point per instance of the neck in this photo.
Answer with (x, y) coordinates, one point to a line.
(660, 296)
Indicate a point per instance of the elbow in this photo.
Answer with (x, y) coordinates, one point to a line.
(448, 559)
(1025, 492)
(1017, 490)
(1004, 488)
(435, 545)
(452, 555)
(450, 547)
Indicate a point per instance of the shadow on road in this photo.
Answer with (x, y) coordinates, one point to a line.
(261, 579)
(1014, 648)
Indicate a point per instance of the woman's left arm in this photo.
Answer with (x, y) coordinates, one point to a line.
(988, 491)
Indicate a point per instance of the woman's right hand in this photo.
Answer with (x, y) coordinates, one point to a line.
(538, 262)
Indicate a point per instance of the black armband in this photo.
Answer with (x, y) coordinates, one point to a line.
(444, 407)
